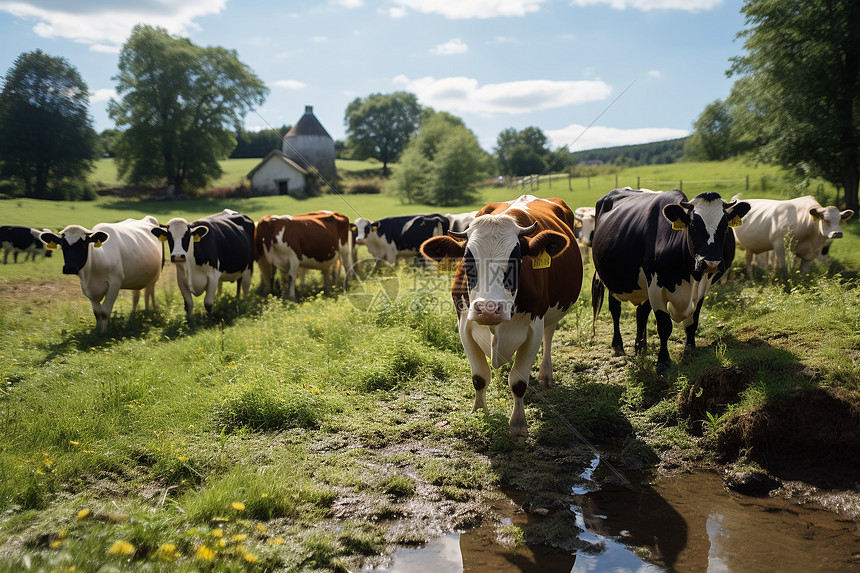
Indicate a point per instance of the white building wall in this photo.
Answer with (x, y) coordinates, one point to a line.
(265, 180)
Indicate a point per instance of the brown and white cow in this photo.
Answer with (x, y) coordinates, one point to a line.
(110, 257)
(316, 240)
(517, 279)
(769, 220)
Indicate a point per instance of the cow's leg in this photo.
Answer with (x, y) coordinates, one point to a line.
(642, 312)
(246, 280)
(267, 273)
(135, 298)
(805, 266)
(149, 296)
(209, 296)
(545, 373)
(664, 331)
(779, 251)
(615, 310)
(518, 381)
(748, 260)
(481, 373)
(691, 325)
(292, 275)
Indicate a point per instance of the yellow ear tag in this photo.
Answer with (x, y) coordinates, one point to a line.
(197, 238)
(816, 219)
(735, 222)
(52, 245)
(97, 244)
(578, 224)
(162, 238)
(542, 261)
(678, 225)
(446, 266)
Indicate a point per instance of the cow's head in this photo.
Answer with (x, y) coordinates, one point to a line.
(705, 219)
(492, 249)
(75, 241)
(585, 224)
(362, 228)
(180, 237)
(830, 220)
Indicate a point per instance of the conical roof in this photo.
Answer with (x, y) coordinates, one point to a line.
(308, 125)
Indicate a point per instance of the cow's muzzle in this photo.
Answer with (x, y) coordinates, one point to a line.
(177, 258)
(359, 241)
(835, 235)
(489, 312)
(711, 266)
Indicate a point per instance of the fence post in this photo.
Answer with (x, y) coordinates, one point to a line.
(616, 181)
(681, 186)
(570, 182)
(748, 182)
(637, 183)
(588, 178)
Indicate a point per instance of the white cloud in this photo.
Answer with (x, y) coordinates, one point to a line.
(397, 12)
(468, 9)
(451, 47)
(291, 84)
(578, 137)
(320, 39)
(102, 95)
(465, 95)
(654, 73)
(648, 5)
(347, 3)
(104, 24)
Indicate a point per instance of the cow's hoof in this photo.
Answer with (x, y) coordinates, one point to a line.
(618, 351)
(519, 436)
(663, 368)
(546, 381)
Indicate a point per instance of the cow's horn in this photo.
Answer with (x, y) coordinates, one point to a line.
(729, 205)
(458, 234)
(526, 230)
(686, 205)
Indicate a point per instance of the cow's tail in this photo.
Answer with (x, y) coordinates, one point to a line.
(597, 292)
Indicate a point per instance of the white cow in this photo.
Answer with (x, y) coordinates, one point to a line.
(584, 229)
(459, 222)
(110, 257)
(766, 225)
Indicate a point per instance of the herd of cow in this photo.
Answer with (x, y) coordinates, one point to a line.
(518, 273)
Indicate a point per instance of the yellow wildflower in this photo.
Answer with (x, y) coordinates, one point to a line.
(183, 458)
(205, 553)
(121, 548)
(74, 443)
(166, 552)
(261, 527)
(276, 541)
(218, 532)
(82, 514)
(250, 557)
(240, 537)
(238, 506)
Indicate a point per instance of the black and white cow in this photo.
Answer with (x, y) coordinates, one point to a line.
(660, 251)
(209, 251)
(391, 238)
(16, 239)
(108, 258)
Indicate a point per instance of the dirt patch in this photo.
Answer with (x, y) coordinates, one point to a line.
(813, 435)
(712, 392)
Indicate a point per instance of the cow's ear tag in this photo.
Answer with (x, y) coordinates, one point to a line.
(446, 266)
(816, 219)
(735, 222)
(542, 261)
(197, 238)
(678, 225)
(578, 224)
(162, 238)
(52, 245)
(97, 244)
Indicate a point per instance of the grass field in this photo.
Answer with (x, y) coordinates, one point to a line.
(323, 433)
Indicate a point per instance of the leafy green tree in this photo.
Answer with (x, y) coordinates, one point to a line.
(181, 105)
(381, 125)
(259, 143)
(521, 152)
(713, 137)
(107, 142)
(798, 96)
(442, 165)
(47, 142)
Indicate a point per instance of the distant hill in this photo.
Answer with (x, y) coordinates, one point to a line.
(656, 153)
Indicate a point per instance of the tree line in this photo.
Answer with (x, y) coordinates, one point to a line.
(180, 107)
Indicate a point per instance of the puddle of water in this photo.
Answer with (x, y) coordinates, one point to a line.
(683, 523)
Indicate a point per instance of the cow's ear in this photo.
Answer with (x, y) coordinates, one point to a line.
(677, 215)
(199, 232)
(441, 246)
(817, 213)
(736, 212)
(374, 227)
(97, 238)
(50, 240)
(352, 228)
(550, 242)
(160, 233)
(846, 214)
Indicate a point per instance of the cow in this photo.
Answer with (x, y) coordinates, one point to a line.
(318, 240)
(584, 229)
(15, 239)
(660, 252)
(214, 249)
(769, 220)
(393, 238)
(110, 257)
(459, 221)
(516, 280)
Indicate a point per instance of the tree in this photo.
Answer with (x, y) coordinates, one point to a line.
(522, 153)
(259, 143)
(47, 141)
(381, 125)
(442, 164)
(713, 138)
(798, 96)
(181, 106)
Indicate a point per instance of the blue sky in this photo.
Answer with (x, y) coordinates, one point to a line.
(553, 64)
